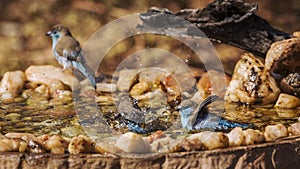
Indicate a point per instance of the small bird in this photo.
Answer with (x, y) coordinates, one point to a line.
(68, 52)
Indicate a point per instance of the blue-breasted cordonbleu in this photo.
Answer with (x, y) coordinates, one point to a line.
(68, 52)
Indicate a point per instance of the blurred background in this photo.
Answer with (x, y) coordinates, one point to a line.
(23, 23)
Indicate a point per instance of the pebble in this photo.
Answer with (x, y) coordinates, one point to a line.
(251, 84)
(12, 84)
(252, 137)
(273, 132)
(80, 144)
(286, 101)
(209, 140)
(294, 129)
(132, 143)
(47, 74)
(236, 137)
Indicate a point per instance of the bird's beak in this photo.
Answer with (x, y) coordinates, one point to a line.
(48, 33)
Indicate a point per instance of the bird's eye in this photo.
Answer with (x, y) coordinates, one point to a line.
(54, 32)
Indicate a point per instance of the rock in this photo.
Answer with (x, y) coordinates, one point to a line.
(251, 83)
(35, 147)
(155, 136)
(126, 79)
(192, 145)
(132, 143)
(152, 75)
(55, 143)
(209, 140)
(106, 147)
(294, 129)
(291, 84)
(185, 81)
(42, 90)
(171, 86)
(58, 150)
(236, 137)
(283, 57)
(252, 137)
(139, 89)
(80, 144)
(55, 85)
(12, 84)
(106, 87)
(104, 100)
(166, 145)
(61, 97)
(23, 136)
(283, 62)
(87, 91)
(154, 99)
(297, 34)
(286, 101)
(273, 132)
(46, 74)
(215, 77)
(33, 144)
(11, 144)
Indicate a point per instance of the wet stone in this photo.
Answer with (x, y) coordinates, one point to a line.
(251, 83)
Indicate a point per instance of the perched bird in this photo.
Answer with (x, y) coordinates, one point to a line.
(68, 52)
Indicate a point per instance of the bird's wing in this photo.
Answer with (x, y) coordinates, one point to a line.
(69, 48)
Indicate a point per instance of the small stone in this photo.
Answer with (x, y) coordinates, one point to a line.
(132, 143)
(61, 97)
(80, 144)
(43, 89)
(154, 99)
(55, 143)
(55, 85)
(106, 87)
(152, 75)
(283, 57)
(252, 137)
(209, 140)
(12, 84)
(139, 89)
(220, 82)
(297, 34)
(171, 86)
(286, 101)
(294, 129)
(32, 143)
(11, 144)
(126, 79)
(155, 136)
(179, 82)
(291, 84)
(106, 147)
(251, 83)
(273, 132)
(104, 100)
(58, 150)
(166, 145)
(236, 137)
(46, 74)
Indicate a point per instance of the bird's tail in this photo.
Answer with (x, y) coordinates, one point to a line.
(84, 69)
